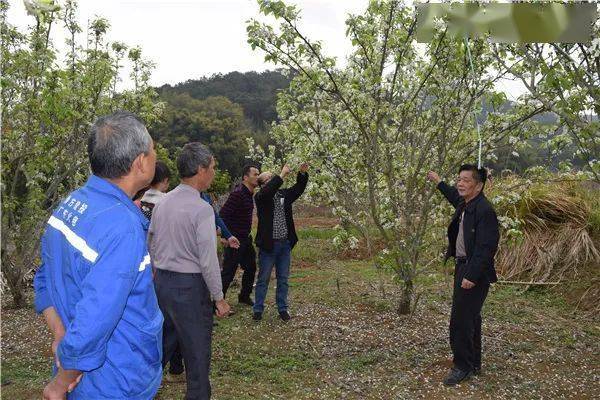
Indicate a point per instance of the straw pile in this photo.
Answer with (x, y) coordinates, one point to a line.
(558, 243)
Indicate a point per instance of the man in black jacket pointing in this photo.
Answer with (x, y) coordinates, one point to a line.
(276, 235)
(473, 237)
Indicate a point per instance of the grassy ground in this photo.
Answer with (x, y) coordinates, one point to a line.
(346, 341)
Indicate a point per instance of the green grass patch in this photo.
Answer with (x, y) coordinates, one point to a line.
(316, 233)
(33, 372)
(361, 362)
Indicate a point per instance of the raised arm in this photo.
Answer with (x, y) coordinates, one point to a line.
(269, 190)
(296, 191)
(449, 192)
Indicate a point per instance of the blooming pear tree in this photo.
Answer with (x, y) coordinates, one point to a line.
(565, 79)
(373, 127)
(47, 107)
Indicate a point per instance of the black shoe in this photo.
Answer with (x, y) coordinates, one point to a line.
(257, 316)
(456, 376)
(245, 300)
(284, 315)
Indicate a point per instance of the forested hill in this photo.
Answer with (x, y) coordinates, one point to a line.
(222, 111)
(256, 92)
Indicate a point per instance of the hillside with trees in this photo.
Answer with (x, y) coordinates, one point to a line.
(221, 111)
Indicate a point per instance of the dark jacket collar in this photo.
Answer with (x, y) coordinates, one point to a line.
(470, 206)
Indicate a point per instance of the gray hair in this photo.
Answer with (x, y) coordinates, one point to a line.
(115, 141)
(192, 156)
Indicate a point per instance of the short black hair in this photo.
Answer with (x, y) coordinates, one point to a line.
(161, 172)
(192, 156)
(480, 174)
(247, 168)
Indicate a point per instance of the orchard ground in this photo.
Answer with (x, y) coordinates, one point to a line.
(347, 342)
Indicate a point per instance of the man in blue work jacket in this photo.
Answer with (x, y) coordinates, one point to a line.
(94, 286)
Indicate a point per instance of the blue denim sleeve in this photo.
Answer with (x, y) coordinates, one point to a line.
(221, 224)
(218, 220)
(104, 294)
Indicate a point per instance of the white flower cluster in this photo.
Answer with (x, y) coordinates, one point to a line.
(343, 239)
(595, 47)
(508, 223)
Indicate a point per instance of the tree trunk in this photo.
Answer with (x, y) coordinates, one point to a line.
(15, 284)
(17, 295)
(404, 307)
(14, 271)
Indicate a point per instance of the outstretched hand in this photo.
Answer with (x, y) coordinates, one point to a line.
(285, 171)
(304, 167)
(434, 177)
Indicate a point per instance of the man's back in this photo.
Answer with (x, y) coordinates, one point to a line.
(183, 248)
(96, 274)
(182, 233)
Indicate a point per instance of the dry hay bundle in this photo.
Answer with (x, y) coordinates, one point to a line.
(545, 256)
(556, 242)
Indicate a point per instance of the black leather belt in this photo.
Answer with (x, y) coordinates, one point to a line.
(461, 260)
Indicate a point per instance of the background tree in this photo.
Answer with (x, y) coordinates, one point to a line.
(256, 92)
(373, 128)
(214, 121)
(47, 108)
(563, 78)
(223, 110)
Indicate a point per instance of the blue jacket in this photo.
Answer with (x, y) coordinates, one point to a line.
(218, 220)
(96, 273)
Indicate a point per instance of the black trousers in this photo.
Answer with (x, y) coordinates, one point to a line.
(465, 321)
(245, 257)
(185, 303)
(176, 362)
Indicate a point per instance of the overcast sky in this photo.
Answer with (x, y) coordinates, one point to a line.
(188, 39)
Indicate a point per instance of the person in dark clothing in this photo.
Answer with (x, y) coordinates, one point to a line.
(237, 215)
(276, 235)
(473, 237)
